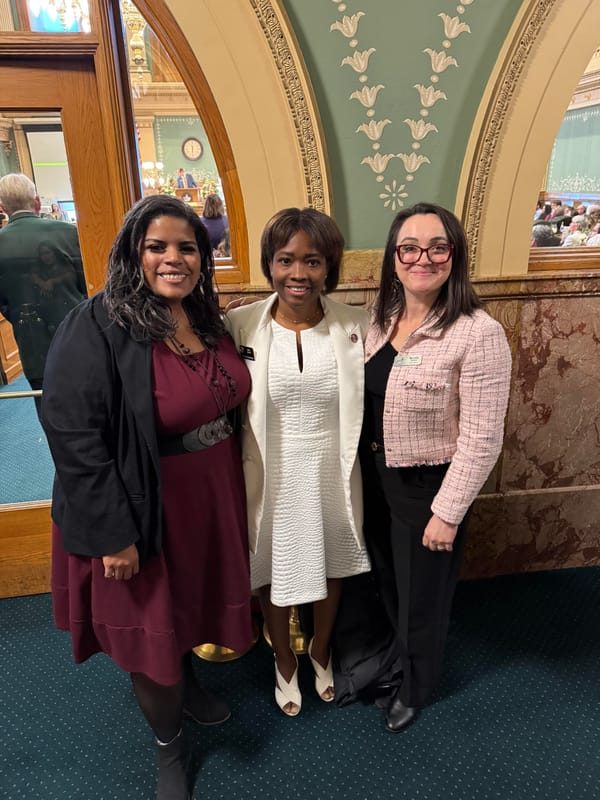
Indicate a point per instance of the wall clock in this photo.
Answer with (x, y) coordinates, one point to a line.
(192, 148)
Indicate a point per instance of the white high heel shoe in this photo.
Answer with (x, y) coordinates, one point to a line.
(323, 677)
(288, 693)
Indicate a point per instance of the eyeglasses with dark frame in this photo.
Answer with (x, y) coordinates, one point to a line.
(436, 253)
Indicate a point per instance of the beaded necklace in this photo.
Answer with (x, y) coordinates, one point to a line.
(214, 386)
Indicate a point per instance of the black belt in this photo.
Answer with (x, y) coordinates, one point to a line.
(201, 438)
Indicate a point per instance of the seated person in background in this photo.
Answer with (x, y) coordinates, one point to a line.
(593, 216)
(574, 235)
(214, 219)
(593, 239)
(543, 236)
(224, 248)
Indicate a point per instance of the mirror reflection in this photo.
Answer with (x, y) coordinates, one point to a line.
(568, 208)
(175, 153)
(41, 280)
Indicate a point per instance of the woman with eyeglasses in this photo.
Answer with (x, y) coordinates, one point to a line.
(437, 380)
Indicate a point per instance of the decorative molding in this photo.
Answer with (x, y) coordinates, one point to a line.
(25, 45)
(397, 190)
(301, 103)
(498, 106)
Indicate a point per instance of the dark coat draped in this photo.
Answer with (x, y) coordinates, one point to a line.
(98, 415)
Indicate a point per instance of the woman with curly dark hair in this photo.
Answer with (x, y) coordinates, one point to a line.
(150, 550)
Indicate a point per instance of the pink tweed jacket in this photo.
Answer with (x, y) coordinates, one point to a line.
(445, 401)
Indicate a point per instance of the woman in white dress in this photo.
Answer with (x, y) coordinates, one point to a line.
(300, 439)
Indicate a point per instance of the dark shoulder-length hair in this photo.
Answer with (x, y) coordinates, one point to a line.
(456, 296)
(326, 237)
(128, 298)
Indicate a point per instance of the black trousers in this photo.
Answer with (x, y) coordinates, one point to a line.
(416, 584)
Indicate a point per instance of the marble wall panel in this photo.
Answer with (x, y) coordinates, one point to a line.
(553, 423)
(528, 531)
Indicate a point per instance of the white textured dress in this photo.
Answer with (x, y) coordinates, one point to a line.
(305, 535)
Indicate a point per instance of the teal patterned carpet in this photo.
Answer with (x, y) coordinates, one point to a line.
(517, 716)
(26, 468)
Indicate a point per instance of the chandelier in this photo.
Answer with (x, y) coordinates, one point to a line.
(152, 176)
(68, 12)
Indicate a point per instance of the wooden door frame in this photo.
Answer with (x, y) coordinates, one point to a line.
(69, 67)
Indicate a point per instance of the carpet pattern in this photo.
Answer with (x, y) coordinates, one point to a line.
(26, 468)
(517, 716)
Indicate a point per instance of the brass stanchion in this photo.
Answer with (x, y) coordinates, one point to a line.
(216, 652)
(298, 642)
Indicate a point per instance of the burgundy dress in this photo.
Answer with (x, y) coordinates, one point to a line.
(197, 590)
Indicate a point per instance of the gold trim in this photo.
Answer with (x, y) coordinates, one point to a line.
(303, 108)
(498, 106)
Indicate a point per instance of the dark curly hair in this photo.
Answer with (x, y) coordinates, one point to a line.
(324, 232)
(456, 296)
(127, 297)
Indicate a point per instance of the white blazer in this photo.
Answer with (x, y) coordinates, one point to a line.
(251, 330)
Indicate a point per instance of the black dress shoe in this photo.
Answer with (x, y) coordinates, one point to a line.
(398, 716)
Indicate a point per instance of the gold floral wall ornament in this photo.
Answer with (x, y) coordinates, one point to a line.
(378, 162)
(412, 162)
(453, 27)
(367, 95)
(439, 60)
(393, 196)
(429, 95)
(419, 128)
(348, 25)
(374, 129)
(359, 61)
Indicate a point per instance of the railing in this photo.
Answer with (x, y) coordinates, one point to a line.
(13, 395)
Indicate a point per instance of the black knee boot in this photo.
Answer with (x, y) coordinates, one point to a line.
(172, 774)
(198, 703)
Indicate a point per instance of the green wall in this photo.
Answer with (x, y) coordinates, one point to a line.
(575, 161)
(169, 134)
(398, 32)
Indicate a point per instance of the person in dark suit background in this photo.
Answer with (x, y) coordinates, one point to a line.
(36, 295)
(185, 180)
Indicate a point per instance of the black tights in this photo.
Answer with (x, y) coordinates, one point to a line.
(162, 706)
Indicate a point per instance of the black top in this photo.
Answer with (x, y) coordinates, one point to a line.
(377, 372)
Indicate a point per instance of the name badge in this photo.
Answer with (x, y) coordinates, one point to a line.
(247, 353)
(407, 361)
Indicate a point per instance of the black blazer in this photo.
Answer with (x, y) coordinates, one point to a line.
(98, 415)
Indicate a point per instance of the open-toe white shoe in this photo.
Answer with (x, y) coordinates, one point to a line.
(323, 677)
(286, 693)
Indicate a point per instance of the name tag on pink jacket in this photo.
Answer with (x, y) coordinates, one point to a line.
(403, 360)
